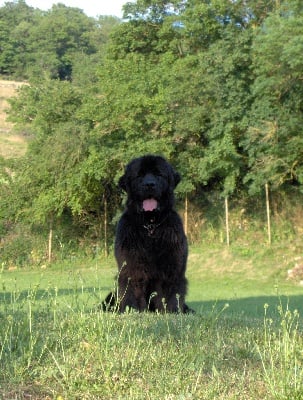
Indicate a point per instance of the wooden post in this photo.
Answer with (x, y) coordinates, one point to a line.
(186, 215)
(268, 213)
(105, 226)
(227, 221)
(50, 239)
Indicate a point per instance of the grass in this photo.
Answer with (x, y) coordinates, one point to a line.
(244, 342)
(280, 355)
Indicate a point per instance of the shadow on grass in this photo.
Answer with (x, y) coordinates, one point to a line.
(51, 293)
(250, 307)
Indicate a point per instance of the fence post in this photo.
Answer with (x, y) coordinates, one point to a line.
(186, 215)
(50, 239)
(268, 213)
(105, 226)
(227, 221)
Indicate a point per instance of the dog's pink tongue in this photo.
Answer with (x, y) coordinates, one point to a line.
(150, 204)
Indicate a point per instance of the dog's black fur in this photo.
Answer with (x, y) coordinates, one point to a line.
(150, 246)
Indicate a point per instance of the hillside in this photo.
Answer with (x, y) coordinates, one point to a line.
(11, 144)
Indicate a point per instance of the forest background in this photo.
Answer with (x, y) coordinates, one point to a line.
(214, 86)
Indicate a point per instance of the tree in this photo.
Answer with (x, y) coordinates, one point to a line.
(50, 44)
(274, 141)
(43, 178)
(16, 20)
(65, 173)
(84, 69)
(57, 38)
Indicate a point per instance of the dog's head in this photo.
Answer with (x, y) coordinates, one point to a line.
(149, 182)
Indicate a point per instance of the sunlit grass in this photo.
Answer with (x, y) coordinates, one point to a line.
(281, 354)
(56, 344)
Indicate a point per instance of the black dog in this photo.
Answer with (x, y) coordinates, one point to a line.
(150, 246)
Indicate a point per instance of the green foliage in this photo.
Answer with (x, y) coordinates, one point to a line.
(199, 82)
(274, 139)
(55, 149)
(37, 44)
(45, 106)
(15, 250)
(16, 18)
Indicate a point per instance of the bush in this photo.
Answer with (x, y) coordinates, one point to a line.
(15, 250)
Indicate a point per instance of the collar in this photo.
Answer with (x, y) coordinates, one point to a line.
(151, 226)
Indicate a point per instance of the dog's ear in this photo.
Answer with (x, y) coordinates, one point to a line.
(177, 178)
(122, 183)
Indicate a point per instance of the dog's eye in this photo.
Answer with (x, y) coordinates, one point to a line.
(141, 174)
(162, 175)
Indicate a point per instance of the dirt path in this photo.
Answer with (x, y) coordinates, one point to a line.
(11, 144)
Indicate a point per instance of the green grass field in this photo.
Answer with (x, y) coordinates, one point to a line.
(244, 342)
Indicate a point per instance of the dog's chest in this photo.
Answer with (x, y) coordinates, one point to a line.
(156, 251)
